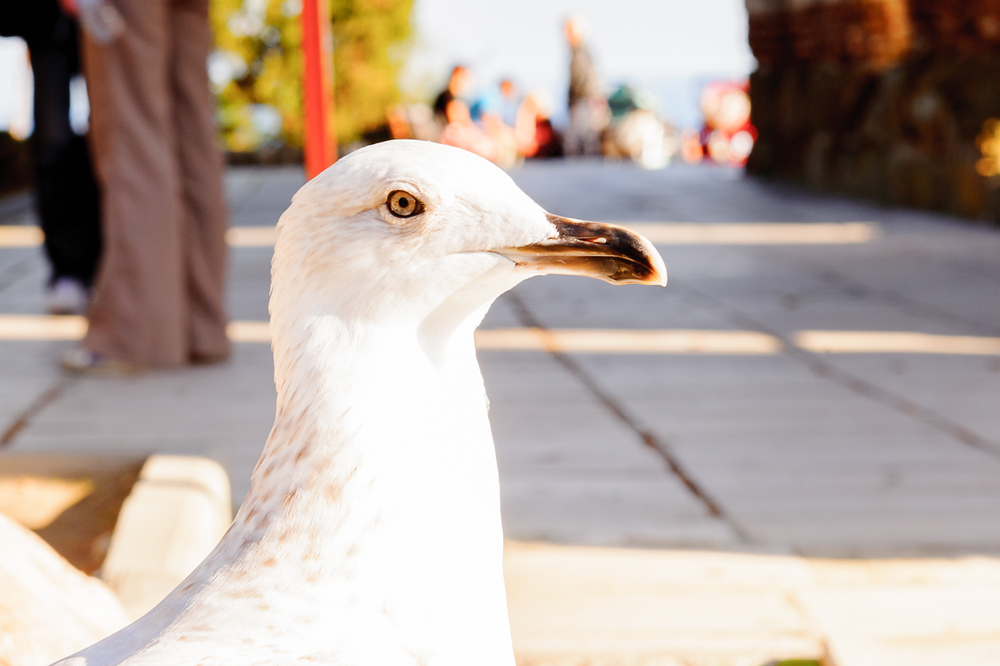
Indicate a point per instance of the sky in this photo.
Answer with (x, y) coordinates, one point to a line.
(666, 46)
(670, 47)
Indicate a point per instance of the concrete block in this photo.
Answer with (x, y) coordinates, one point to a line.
(601, 606)
(899, 613)
(176, 514)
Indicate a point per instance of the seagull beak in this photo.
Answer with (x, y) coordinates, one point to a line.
(592, 249)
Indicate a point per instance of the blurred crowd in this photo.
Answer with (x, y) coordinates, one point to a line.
(506, 125)
(500, 124)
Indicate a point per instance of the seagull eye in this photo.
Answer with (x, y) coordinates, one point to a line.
(404, 204)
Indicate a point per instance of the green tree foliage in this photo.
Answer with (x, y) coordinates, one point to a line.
(369, 38)
(257, 67)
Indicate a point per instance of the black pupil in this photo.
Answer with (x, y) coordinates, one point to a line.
(404, 202)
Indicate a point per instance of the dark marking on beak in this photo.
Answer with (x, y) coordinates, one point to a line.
(592, 249)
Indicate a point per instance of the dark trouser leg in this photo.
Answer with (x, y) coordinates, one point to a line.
(68, 200)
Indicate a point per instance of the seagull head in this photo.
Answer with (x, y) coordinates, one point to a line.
(417, 231)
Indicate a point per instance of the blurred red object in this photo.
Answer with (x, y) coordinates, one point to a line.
(727, 136)
(320, 140)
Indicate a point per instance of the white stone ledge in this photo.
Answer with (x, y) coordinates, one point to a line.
(175, 515)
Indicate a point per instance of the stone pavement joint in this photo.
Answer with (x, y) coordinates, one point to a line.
(892, 297)
(856, 384)
(23, 419)
(13, 273)
(648, 439)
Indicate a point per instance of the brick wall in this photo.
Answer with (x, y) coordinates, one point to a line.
(885, 99)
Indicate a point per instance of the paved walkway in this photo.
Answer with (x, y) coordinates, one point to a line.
(829, 388)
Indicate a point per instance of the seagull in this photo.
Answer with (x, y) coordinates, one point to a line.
(371, 533)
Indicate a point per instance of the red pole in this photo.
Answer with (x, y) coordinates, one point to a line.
(320, 141)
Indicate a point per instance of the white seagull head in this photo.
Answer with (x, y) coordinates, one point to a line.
(397, 229)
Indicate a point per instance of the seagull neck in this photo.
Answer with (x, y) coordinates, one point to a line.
(374, 442)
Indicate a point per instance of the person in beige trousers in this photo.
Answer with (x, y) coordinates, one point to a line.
(158, 300)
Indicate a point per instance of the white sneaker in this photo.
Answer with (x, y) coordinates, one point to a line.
(68, 296)
(83, 361)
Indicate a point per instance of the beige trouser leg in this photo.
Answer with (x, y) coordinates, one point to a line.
(158, 298)
(201, 180)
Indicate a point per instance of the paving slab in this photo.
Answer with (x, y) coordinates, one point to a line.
(604, 607)
(908, 613)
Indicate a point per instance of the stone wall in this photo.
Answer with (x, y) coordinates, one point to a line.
(885, 99)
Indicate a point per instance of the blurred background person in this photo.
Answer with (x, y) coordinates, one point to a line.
(66, 194)
(462, 132)
(412, 121)
(487, 111)
(588, 113)
(536, 136)
(636, 130)
(158, 297)
(459, 84)
(510, 102)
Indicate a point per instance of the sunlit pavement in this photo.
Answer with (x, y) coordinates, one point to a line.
(819, 379)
